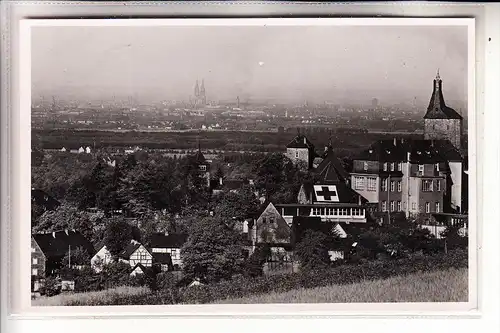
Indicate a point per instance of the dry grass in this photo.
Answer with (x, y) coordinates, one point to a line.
(88, 298)
(441, 286)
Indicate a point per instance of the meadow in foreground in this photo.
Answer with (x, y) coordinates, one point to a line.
(439, 286)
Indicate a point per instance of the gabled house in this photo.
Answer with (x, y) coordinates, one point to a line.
(50, 248)
(101, 258)
(169, 243)
(135, 253)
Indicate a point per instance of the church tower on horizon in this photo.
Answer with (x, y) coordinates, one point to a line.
(200, 98)
(442, 122)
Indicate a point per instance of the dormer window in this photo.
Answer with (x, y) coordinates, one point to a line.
(392, 166)
(365, 166)
(437, 167)
(385, 166)
(203, 167)
(400, 166)
(421, 168)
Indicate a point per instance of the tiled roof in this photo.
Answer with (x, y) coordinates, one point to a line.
(331, 169)
(57, 244)
(300, 141)
(344, 192)
(160, 240)
(419, 151)
(129, 249)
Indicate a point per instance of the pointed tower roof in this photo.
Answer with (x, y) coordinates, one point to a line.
(437, 108)
(202, 88)
(330, 169)
(196, 89)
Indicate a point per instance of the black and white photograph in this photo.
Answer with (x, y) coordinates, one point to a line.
(251, 161)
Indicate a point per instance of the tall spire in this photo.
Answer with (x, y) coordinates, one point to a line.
(196, 89)
(202, 88)
(437, 108)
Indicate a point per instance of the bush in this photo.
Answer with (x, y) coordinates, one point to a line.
(51, 287)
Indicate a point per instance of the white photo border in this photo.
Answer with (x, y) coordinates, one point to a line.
(19, 178)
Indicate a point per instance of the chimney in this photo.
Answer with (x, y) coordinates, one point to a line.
(395, 141)
(53, 234)
(305, 141)
(220, 181)
(408, 156)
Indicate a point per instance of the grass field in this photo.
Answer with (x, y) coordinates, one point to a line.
(440, 286)
(90, 298)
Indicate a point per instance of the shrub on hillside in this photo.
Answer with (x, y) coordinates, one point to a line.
(345, 274)
(50, 287)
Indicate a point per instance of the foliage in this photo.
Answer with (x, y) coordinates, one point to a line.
(237, 206)
(212, 251)
(254, 263)
(312, 250)
(117, 236)
(50, 287)
(77, 257)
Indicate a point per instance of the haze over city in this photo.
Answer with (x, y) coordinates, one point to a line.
(342, 64)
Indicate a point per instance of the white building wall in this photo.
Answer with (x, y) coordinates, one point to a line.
(102, 257)
(456, 187)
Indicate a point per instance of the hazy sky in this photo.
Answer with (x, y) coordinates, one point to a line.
(354, 63)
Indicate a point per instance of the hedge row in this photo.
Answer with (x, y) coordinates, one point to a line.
(339, 275)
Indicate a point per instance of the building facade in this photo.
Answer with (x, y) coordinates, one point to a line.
(410, 176)
(301, 151)
(442, 122)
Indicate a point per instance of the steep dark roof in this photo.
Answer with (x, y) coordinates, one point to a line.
(162, 258)
(331, 169)
(57, 244)
(437, 108)
(300, 141)
(160, 240)
(129, 249)
(42, 198)
(198, 157)
(146, 270)
(419, 151)
(344, 192)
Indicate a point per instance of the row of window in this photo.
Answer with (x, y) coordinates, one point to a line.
(399, 167)
(327, 211)
(174, 253)
(428, 185)
(395, 206)
(394, 185)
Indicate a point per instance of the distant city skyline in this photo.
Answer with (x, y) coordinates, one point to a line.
(350, 64)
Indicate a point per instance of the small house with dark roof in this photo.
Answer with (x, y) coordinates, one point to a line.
(301, 151)
(136, 253)
(337, 240)
(49, 249)
(43, 199)
(163, 261)
(200, 162)
(411, 176)
(440, 121)
(170, 244)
